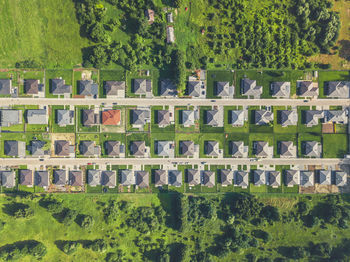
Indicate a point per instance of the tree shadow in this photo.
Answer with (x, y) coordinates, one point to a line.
(171, 203)
(12, 208)
(344, 51)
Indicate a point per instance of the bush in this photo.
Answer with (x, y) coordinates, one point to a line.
(68, 216)
(69, 247)
(17, 250)
(18, 210)
(265, 236)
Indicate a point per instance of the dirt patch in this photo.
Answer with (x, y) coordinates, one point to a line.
(61, 136)
(327, 128)
(323, 189)
(86, 75)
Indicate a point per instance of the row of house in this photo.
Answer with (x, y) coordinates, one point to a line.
(9, 117)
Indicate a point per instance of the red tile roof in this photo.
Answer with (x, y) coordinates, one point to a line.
(111, 117)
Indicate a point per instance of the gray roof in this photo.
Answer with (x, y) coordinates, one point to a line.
(167, 88)
(237, 118)
(259, 177)
(274, 178)
(263, 117)
(37, 147)
(59, 177)
(127, 177)
(88, 148)
(138, 148)
(5, 86)
(261, 148)
(142, 86)
(26, 177)
(162, 148)
(211, 148)
(280, 89)
(249, 88)
(289, 117)
(175, 177)
(142, 179)
(89, 117)
(94, 177)
(31, 86)
(212, 117)
(312, 148)
(187, 148)
(241, 178)
(14, 148)
(208, 178)
(312, 117)
(163, 117)
(340, 178)
(108, 178)
(62, 148)
(112, 148)
(139, 117)
(193, 177)
(76, 178)
(306, 178)
(226, 177)
(58, 87)
(160, 177)
(338, 89)
(307, 88)
(113, 87)
(194, 88)
(64, 117)
(188, 117)
(8, 179)
(324, 177)
(88, 88)
(236, 148)
(292, 177)
(41, 178)
(37, 116)
(223, 89)
(287, 149)
(10, 117)
(336, 116)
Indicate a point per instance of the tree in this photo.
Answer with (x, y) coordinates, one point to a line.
(98, 56)
(98, 34)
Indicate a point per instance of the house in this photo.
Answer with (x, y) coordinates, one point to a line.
(287, 149)
(127, 178)
(259, 177)
(170, 36)
(189, 117)
(311, 148)
(167, 88)
(160, 177)
(31, 86)
(312, 117)
(138, 148)
(93, 177)
(274, 178)
(113, 148)
(169, 17)
(60, 177)
(10, 117)
(140, 117)
(14, 148)
(187, 148)
(5, 86)
(41, 178)
(224, 90)
(62, 148)
(142, 179)
(36, 148)
(292, 178)
(238, 149)
(37, 117)
(142, 86)
(88, 88)
(212, 118)
(59, 87)
(241, 179)
(289, 118)
(280, 89)
(109, 178)
(149, 13)
(26, 177)
(194, 88)
(306, 178)
(211, 148)
(262, 149)
(250, 89)
(337, 89)
(263, 117)
(164, 148)
(307, 89)
(335, 116)
(324, 177)
(193, 177)
(208, 178)
(115, 88)
(89, 148)
(75, 178)
(8, 179)
(111, 117)
(226, 177)
(64, 117)
(175, 178)
(340, 178)
(89, 118)
(237, 118)
(163, 118)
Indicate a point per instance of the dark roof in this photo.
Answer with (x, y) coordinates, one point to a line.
(306, 178)
(14, 148)
(311, 148)
(280, 89)
(261, 148)
(289, 117)
(142, 178)
(31, 86)
(241, 178)
(138, 148)
(88, 88)
(163, 117)
(112, 148)
(292, 177)
(160, 177)
(211, 117)
(193, 177)
(167, 88)
(187, 148)
(142, 86)
(236, 148)
(58, 86)
(26, 177)
(226, 177)
(263, 117)
(175, 177)
(62, 148)
(127, 177)
(8, 178)
(41, 178)
(324, 177)
(208, 178)
(89, 117)
(5, 86)
(339, 89)
(211, 148)
(76, 178)
(194, 88)
(274, 178)
(37, 147)
(93, 177)
(249, 88)
(108, 178)
(222, 88)
(287, 149)
(87, 148)
(59, 177)
(259, 177)
(138, 117)
(112, 87)
(307, 88)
